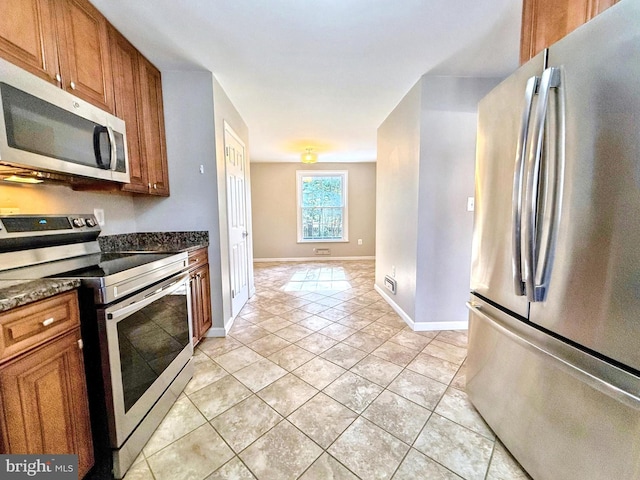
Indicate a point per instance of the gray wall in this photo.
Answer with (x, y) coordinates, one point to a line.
(194, 108)
(436, 229)
(397, 198)
(224, 111)
(273, 190)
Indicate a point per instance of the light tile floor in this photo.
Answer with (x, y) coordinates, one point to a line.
(320, 379)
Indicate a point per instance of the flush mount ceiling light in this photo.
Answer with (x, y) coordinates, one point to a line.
(309, 156)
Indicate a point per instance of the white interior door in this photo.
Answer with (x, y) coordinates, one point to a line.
(234, 152)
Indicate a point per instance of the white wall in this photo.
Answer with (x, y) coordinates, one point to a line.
(436, 229)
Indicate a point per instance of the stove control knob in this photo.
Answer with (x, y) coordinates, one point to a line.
(90, 222)
(78, 222)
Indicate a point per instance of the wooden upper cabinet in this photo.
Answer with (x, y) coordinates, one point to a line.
(544, 22)
(128, 104)
(84, 52)
(155, 150)
(28, 38)
(62, 41)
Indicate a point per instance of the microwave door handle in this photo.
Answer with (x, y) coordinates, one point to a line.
(550, 79)
(97, 134)
(114, 154)
(518, 179)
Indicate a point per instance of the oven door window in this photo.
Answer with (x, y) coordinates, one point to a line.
(149, 341)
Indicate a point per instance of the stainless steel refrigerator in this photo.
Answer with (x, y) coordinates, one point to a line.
(554, 329)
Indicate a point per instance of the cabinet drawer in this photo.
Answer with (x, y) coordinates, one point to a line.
(26, 327)
(198, 257)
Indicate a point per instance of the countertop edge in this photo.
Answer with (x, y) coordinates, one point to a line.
(18, 294)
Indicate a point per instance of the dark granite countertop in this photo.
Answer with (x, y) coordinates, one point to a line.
(17, 293)
(154, 241)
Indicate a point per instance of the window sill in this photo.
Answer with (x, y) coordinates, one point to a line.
(340, 240)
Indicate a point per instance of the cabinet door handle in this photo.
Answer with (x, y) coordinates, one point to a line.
(155, 186)
(80, 344)
(58, 78)
(72, 85)
(48, 321)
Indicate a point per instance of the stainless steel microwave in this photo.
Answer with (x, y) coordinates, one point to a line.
(45, 129)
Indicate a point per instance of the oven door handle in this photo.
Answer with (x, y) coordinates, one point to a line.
(166, 289)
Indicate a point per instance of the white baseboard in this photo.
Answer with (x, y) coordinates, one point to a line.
(319, 258)
(429, 326)
(421, 326)
(216, 332)
(403, 315)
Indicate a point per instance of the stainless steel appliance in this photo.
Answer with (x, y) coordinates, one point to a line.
(135, 323)
(554, 333)
(45, 129)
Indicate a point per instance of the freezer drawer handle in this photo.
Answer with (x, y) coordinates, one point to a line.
(574, 370)
(536, 293)
(518, 180)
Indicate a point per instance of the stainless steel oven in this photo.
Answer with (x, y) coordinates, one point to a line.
(135, 322)
(148, 340)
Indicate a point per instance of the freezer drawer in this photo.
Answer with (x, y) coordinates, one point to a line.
(561, 412)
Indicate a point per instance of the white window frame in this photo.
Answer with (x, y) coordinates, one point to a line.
(300, 174)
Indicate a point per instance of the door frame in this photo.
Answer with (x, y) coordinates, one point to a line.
(228, 129)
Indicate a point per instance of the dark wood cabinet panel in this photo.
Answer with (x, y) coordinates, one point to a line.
(200, 293)
(28, 38)
(43, 396)
(62, 41)
(155, 150)
(128, 105)
(84, 52)
(544, 22)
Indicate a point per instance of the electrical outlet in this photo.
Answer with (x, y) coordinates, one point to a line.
(359, 241)
(202, 169)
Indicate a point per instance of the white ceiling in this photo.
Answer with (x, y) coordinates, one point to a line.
(321, 73)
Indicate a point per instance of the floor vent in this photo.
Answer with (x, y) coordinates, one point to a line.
(322, 251)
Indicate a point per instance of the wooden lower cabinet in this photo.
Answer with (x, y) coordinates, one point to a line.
(43, 396)
(200, 282)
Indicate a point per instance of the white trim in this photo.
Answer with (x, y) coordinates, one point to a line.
(421, 326)
(403, 315)
(431, 326)
(345, 203)
(216, 332)
(318, 258)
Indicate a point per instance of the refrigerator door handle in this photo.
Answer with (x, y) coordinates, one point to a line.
(518, 183)
(536, 293)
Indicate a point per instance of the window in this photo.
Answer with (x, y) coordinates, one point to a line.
(322, 206)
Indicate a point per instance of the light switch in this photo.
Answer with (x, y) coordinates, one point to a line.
(470, 204)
